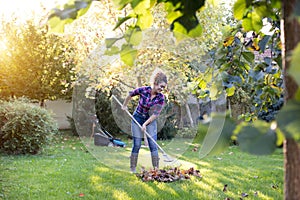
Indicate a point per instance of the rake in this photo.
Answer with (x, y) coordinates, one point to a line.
(165, 155)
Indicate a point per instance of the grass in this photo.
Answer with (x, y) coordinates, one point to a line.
(72, 169)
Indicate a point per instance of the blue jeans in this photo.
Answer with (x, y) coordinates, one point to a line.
(138, 134)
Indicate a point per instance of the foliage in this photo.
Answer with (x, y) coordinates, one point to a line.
(72, 126)
(92, 28)
(271, 112)
(252, 12)
(35, 64)
(104, 112)
(186, 132)
(288, 120)
(132, 34)
(181, 14)
(257, 138)
(169, 129)
(24, 128)
(241, 78)
(245, 77)
(70, 12)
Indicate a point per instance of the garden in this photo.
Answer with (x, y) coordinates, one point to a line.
(228, 123)
(67, 170)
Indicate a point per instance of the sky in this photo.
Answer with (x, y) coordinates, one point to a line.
(24, 9)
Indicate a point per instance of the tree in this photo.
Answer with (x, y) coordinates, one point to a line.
(291, 28)
(36, 64)
(290, 39)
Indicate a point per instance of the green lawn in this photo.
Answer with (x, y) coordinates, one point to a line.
(69, 170)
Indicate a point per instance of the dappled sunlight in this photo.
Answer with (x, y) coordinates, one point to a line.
(120, 195)
(100, 183)
(24, 10)
(95, 179)
(147, 189)
(114, 157)
(118, 158)
(240, 172)
(164, 187)
(102, 169)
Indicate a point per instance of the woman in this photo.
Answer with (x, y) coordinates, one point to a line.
(150, 104)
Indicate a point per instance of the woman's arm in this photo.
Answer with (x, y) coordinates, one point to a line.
(124, 106)
(148, 121)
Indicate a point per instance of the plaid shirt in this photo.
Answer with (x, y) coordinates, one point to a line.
(146, 105)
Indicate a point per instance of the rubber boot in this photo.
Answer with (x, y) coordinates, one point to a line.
(155, 162)
(133, 162)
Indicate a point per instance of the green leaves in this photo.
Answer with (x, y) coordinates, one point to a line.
(183, 19)
(239, 9)
(123, 20)
(288, 119)
(251, 12)
(128, 54)
(38, 65)
(252, 22)
(59, 18)
(57, 25)
(249, 56)
(257, 138)
(145, 20)
(133, 37)
(230, 91)
(140, 6)
(25, 127)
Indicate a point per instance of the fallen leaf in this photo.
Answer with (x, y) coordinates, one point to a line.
(244, 195)
(225, 188)
(168, 175)
(81, 195)
(275, 186)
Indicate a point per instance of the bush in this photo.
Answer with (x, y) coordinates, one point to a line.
(24, 127)
(72, 126)
(104, 112)
(169, 129)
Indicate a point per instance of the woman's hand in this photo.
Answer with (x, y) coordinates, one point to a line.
(124, 107)
(144, 127)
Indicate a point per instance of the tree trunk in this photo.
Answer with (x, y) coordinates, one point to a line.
(42, 103)
(291, 165)
(189, 114)
(290, 38)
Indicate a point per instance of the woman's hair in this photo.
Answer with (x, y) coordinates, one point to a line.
(158, 76)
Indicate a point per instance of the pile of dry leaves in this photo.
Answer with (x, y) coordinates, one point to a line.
(168, 175)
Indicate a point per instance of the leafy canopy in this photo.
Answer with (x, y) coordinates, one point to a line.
(35, 64)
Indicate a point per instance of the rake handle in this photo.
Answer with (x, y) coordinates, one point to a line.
(139, 125)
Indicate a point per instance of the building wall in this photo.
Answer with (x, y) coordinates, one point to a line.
(61, 109)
